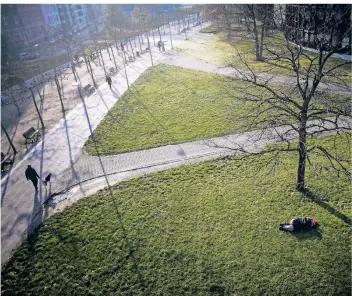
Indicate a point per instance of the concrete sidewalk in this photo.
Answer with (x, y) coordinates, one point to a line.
(58, 149)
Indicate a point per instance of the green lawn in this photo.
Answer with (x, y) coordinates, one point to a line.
(203, 229)
(171, 105)
(209, 29)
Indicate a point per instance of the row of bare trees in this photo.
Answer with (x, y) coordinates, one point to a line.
(117, 37)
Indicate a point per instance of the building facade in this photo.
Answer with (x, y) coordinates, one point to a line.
(72, 16)
(51, 15)
(315, 24)
(22, 26)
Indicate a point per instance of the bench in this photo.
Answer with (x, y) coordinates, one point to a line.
(5, 160)
(88, 89)
(31, 135)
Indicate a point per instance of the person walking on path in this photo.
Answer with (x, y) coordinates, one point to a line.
(32, 175)
(159, 45)
(108, 80)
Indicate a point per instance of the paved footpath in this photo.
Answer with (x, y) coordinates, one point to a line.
(199, 65)
(59, 147)
(59, 152)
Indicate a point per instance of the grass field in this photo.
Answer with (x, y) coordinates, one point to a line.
(170, 105)
(209, 29)
(203, 229)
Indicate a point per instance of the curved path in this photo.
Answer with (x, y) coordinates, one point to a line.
(60, 152)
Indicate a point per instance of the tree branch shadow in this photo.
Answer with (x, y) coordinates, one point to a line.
(313, 197)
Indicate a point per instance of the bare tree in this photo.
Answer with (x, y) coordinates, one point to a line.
(257, 19)
(306, 106)
(142, 17)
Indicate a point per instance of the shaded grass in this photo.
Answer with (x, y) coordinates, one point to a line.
(169, 105)
(209, 29)
(203, 229)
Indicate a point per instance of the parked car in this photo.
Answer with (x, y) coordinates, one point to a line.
(25, 56)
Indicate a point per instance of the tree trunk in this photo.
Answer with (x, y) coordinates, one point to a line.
(262, 35)
(256, 37)
(89, 67)
(302, 154)
(150, 50)
(16, 104)
(131, 48)
(124, 65)
(102, 59)
(59, 92)
(159, 33)
(140, 45)
(113, 56)
(170, 37)
(107, 48)
(36, 108)
(9, 139)
(85, 60)
(153, 37)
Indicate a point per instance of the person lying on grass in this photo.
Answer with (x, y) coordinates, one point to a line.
(298, 224)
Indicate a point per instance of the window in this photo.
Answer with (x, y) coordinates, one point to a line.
(4, 20)
(15, 19)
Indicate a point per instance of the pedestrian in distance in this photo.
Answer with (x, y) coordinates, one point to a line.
(108, 80)
(32, 175)
(159, 45)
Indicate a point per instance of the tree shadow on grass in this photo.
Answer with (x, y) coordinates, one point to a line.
(6, 173)
(313, 197)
